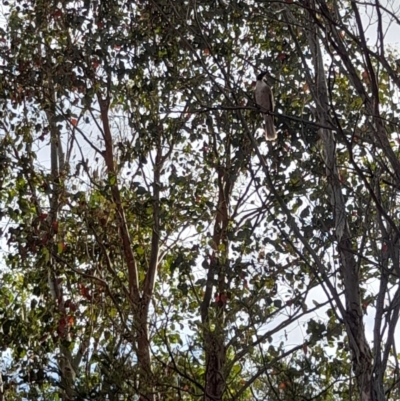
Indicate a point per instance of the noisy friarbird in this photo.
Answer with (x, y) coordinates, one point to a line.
(265, 100)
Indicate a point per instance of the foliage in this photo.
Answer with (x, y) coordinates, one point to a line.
(155, 246)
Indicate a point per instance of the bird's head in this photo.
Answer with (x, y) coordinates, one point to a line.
(261, 76)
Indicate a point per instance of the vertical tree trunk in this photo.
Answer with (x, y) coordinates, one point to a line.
(140, 303)
(146, 382)
(215, 363)
(353, 313)
(214, 341)
(66, 364)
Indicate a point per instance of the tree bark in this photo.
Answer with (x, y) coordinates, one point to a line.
(214, 341)
(140, 301)
(353, 316)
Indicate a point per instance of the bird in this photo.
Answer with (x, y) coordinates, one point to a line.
(264, 99)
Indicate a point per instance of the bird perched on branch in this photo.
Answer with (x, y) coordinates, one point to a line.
(265, 100)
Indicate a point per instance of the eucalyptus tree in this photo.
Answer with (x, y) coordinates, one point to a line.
(158, 248)
(140, 184)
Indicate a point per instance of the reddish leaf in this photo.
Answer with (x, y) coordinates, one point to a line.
(62, 324)
(282, 56)
(55, 226)
(223, 298)
(61, 247)
(57, 13)
(84, 291)
(305, 349)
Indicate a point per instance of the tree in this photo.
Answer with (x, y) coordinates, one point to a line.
(158, 248)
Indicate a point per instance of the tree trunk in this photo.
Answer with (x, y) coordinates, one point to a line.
(146, 382)
(353, 313)
(215, 362)
(214, 341)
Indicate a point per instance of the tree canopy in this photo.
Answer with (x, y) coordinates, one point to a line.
(155, 246)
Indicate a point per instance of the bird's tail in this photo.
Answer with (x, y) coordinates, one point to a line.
(270, 133)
